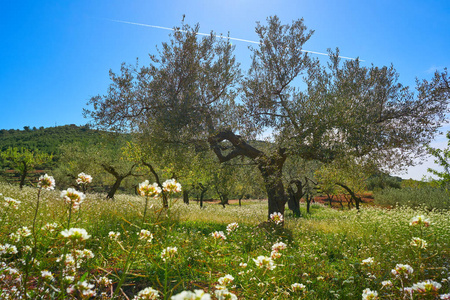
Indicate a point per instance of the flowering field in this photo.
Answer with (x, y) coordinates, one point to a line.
(71, 245)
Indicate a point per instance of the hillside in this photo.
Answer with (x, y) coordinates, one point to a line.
(47, 139)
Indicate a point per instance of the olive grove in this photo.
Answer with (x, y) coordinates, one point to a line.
(194, 93)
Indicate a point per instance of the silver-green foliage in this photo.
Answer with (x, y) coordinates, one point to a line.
(429, 197)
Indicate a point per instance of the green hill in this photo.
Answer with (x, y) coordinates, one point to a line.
(47, 139)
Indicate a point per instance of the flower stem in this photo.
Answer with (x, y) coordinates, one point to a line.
(33, 228)
(145, 211)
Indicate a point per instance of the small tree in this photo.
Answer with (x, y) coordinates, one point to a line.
(24, 161)
(442, 158)
(105, 156)
(344, 177)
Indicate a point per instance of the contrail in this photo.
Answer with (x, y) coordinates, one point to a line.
(219, 36)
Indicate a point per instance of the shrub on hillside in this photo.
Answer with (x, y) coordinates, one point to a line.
(430, 197)
(382, 181)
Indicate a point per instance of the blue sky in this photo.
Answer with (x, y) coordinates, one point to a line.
(55, 55)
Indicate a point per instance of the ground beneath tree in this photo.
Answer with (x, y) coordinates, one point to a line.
(337, 201)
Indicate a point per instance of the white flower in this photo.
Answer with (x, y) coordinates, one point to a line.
(275, 254)
(297, 287)
(223, 293)
(419, 243)
(85, 288)
(218, 235)
(105, 281)
(76, 234)
(46, 182)
(145, 235)
(225, 280)
(84, 178)
(113, 235)
(264, 262)
(73, 197)
(11, 202)
(369, 295)
(171, 186)
(277, 218)
(426, 286)
(188, 295)
(444, 296)
(386, 283)
(279, 246)
(8, 249)
(149, 190)
(47, 275)
(147, 294)
(50, 226)
(232, 227)
(169, 252)
(367, 261)
(85, 253)
(420, 220)
(23, 231)
(401, 269)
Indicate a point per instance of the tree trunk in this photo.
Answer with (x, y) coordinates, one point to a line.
(202, 193)
(271, 167)
(163, 194)
(223, 199)
(330, 200)
(185, 196)
(352, 194)
(240, 199)
(308, 202)
(23, 176)
(115, 187)
(119, 177)
(295, 196)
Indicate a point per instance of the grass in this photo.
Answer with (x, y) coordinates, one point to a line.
(326, 257)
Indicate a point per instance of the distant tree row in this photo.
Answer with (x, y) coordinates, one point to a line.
(118, 162)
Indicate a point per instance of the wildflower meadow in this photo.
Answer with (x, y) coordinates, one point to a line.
(75, 245)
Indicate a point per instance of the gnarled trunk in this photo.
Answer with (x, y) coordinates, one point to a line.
(271, 167)
(119, 177)
(115, 187)
(353, 196)
(295, 196)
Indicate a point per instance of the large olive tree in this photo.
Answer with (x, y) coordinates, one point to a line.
(193, 93)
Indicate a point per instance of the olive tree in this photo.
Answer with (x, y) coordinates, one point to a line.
(106, 161)
(193, 93)
(24, 160)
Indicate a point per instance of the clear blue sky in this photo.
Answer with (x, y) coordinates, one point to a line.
(55, 55)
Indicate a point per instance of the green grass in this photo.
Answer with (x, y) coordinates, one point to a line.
(325, 249)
